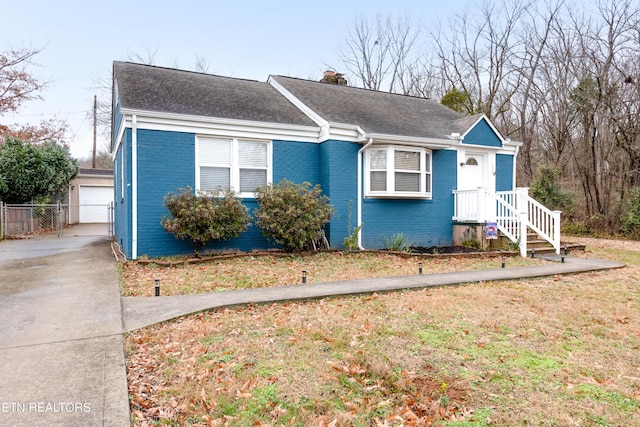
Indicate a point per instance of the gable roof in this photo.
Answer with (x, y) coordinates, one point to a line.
(167, 90)
(378, 112)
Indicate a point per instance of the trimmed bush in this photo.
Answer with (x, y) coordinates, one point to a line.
(205, 218)
(292, 215)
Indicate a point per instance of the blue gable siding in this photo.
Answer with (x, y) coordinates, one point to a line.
(423, 222)
(482, 134)
(122, 205)
(504, 172)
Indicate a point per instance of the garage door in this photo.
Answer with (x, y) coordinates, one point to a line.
(94, 203)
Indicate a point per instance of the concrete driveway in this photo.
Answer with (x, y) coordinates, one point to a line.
(61, 346)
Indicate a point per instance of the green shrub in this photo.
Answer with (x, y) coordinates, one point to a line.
(397, 243)
(575, 228)
(631, 215)
(205, 218)
(546, 190)
(292, 215)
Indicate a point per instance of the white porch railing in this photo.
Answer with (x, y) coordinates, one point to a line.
(513, 211)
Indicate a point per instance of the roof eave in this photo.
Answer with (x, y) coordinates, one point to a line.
(413, 140)
(151, 119)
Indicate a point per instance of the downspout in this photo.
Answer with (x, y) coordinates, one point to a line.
(360, 179)
(134, 187)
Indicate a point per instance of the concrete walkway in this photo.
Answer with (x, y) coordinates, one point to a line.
(61, 345)
(143, 311)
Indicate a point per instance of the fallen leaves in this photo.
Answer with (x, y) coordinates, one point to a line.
(358, 360)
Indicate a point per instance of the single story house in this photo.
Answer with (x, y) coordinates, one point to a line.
(393, 163)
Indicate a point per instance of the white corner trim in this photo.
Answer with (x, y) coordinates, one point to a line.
(360, 185)
(134, 187)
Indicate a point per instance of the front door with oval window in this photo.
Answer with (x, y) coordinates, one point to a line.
(471, 173)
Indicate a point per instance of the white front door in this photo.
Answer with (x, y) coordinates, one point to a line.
(471, 173)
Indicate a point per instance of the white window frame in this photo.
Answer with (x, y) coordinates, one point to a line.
(426, 173)
(234, 164)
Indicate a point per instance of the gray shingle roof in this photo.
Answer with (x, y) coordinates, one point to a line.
(168, 90)
(378, 112)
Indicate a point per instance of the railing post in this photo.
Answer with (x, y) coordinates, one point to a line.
(556, 231)
(522, 204)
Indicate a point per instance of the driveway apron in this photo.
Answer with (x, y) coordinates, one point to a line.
(61, 345)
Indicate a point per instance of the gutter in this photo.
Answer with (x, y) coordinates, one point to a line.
(360, 179)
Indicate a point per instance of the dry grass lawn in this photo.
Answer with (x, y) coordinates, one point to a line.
(558, 351)
(270, 270)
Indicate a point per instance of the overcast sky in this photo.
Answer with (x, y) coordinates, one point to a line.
(246, 39)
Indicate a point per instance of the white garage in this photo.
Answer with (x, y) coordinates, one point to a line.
(94, 203)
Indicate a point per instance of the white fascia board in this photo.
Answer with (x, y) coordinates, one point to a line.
(123, 125)
(509, 142)
(488, 149)
(345, 132)
(412, 140)
(298, 103)
(222, 127)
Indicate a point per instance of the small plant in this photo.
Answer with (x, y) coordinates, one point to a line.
(512, 246)
(292, 215)
(397, 243)
(206, 218)
(351, 241)
(471, 243)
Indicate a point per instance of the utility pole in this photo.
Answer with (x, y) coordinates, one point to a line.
(95, 125)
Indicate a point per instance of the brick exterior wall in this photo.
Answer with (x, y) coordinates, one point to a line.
(166, 161)
(122, 205)
(423, 222)
(504, 172)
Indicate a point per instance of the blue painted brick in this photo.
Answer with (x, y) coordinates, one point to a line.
(504, 172)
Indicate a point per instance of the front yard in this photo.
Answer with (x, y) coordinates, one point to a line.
(555, 351)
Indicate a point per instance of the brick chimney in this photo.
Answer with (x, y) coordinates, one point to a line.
(333, 78)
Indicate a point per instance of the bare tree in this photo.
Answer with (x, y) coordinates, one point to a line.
(201, 64)
(17, 86)
(475, 54)
(377, 54)
(147, 56)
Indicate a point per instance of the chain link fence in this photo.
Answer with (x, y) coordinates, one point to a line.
(17, 220)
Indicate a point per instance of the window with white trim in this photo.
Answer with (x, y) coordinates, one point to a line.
(394, 171)
(238, 164)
